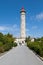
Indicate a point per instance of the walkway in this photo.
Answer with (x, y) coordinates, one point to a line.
(20, 55)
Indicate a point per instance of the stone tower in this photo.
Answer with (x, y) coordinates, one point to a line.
(22, 30)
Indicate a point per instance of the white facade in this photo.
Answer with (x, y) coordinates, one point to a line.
(22, 30)
(32, 40)
(19, 41)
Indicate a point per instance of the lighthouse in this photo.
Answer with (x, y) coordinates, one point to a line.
(23, 26)
(21, 39)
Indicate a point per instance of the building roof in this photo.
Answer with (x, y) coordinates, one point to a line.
(22, 10)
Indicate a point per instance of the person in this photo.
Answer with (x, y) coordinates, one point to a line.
(20, 43)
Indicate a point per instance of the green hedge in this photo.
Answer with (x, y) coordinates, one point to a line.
(37, 47)
(6, 42)
(1, 44)
(1, 49)
(7, 47)
(14, 44)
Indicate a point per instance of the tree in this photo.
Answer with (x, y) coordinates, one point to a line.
(41, 39)
(1, 37)
(27, 39)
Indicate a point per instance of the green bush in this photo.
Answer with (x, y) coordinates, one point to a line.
(41, 45)
(6, 42)
(37, 47)
(7, 46)
(1, 44)
(1, 49)
(14, 44)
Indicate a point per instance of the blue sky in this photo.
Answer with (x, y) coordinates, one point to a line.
(10, 17)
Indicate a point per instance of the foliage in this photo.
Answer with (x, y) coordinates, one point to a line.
(27, 39)
(14, 44)
(6, 42)
(7, 46)
(1, 44)
(1, 49)
(37, 46)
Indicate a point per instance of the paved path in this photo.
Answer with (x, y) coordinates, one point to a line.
(20, 55)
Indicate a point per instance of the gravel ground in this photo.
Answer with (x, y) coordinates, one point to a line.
(20, 55)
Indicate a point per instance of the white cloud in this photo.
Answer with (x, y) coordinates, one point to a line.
(9, 28)
(14, 29)
(39, 16)
(2, 28)
(34, 27)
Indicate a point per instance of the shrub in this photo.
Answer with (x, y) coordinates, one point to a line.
(1, 49)
(6, 42)
(1, 44)
(14, 44)
(36, 46)
(7, 46)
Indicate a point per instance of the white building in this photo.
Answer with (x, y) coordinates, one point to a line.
(32, 40)
(22, 27)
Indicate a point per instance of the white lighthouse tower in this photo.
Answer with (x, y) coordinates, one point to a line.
(21, 39)
(22, 30)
